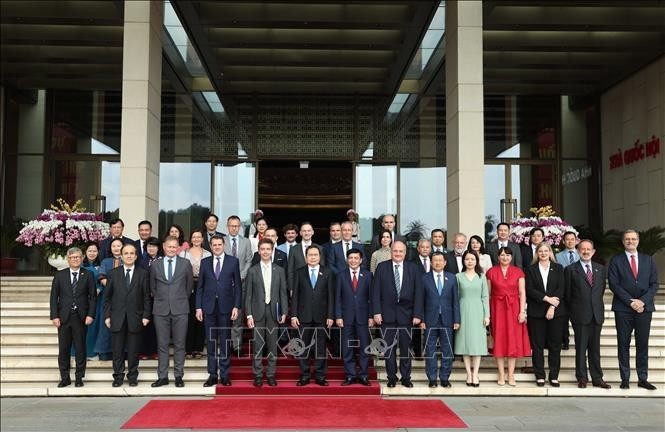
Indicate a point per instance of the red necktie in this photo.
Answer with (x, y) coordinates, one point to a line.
(589, 275)
(354, 282)
(633, 266)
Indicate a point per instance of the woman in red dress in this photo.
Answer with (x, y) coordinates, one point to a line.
(508, 312)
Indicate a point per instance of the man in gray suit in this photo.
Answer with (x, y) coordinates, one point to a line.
(266, 303)
(503, 239)
(241, 248)
(171, 283)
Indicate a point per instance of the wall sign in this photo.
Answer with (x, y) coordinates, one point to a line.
(636, 153)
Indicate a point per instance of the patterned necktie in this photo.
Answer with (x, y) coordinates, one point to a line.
(633, 266)
(312, 277)
(346, 245)
(571, 257)
(75, 282)
(439, 284)
(425, 265)
(589, 275)
(354, 282)
(128, 279)
(398, 282)
(234, 248)
(170, 270)
(218, 267)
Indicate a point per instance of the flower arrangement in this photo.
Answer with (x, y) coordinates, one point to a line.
(545, 218)
(61, 227)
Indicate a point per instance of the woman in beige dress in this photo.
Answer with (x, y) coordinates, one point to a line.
(383, 254)
(195, 330)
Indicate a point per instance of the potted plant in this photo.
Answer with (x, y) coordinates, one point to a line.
(544, 218)
(61, 227)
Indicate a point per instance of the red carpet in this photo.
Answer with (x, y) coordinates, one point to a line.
(294, 413)
(289, 388)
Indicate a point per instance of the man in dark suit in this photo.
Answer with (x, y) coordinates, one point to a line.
(218, 300)
(241, 248)
(397, 304)
(585, 287)
(335, 237)
(423, 263)
(171, 283)
(442, 317)
(454, 262)
(503, 240)
(633, 280)
(127, 309)
(353, 315)
(297, 253)
(528, 251)
(438, 241)
(210, 223)
(337, 258)
(72, 307)
(117, 226)
(278, 257)
(312, 310)
(145, 232)
(387, 222)
(266, 303)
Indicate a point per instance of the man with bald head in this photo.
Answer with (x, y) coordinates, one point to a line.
(387, 222)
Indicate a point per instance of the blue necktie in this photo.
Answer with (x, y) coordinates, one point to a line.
(439, 284)
(398, 283)
(571, 257)
(312, 277)
(170, 270)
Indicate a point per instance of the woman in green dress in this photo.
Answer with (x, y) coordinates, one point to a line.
(471, 339)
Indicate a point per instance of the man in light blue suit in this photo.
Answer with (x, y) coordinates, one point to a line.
(442, 317)
(569, 255)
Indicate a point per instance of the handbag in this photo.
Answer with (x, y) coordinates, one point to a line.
(490, 338)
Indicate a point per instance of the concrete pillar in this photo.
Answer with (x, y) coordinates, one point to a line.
(465, 148)
(141, 113)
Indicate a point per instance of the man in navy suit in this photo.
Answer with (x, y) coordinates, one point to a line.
(352, 315)
(145, 232)
(278, 257)
(210, 223)
(397, 304)
(218, 299)
(442, 317)
(337, 257)
(335, 238)
(117, 227)
(633, 279)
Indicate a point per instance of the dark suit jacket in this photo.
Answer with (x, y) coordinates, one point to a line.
(526, 253)
(451, 263)
(418, 262)
(376, 244)
(493, 251)
(297, 261)
(313, 304)
(206, 243)
(255, 292)
(447, 302)
(353, 308)
(171, 297)
(624, 286)
(62, 296)
(131, 304)
(535, 290)
(105, 246)
(584, 302)
(280, 259)
(141, 254)
(409, 305)
(336, 258)
(225, 291)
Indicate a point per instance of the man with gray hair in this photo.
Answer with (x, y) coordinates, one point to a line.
(73, 303)
(454, 263)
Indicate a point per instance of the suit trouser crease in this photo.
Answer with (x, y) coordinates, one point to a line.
(167, 326)
(218, 333)
(625, 323)
(544, 333)
(402, 335)
(71, 331)
(266, 333)
(355, 337)
(444, 337)
(587, 343)
(132, 340)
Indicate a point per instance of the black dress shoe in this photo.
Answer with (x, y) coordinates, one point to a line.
(540, 383)
(302, 382)
(432, 384)
(211, 381)
(555, 383)
(348, 381)
(624, 385)
(272, 382)
(581, 383)
(133, 383)
(117, 383)
(179, 382)
(602, 384)
(364, 381)
(225, 381)
(407, 383)
(65, 382)
(322, 382)
(160, 382)
(392, 383)
(446, 384)
(646, 385)
(258, 382)
(78, 382)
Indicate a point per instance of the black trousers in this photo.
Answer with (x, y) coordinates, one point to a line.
(396, 335)
(120, 340)
(625, 323)
(545, 333)
(317, 350)
(587, 343)
(417, 341)
(71, 331)
(196, 333)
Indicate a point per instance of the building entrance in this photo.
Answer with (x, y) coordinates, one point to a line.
(314, 191)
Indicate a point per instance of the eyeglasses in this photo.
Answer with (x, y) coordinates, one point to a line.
(75, 257)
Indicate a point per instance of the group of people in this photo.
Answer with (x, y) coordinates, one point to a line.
(506, 299)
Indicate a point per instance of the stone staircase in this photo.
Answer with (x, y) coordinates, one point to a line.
(28, 359)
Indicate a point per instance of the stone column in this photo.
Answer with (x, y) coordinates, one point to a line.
(465, 148)
(141, 113)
